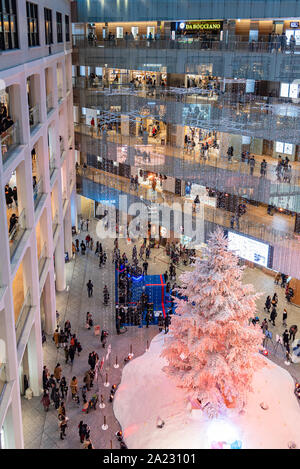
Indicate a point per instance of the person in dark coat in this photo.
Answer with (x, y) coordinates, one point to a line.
(160, 322)
(90, 287)
(286, 338)
(71, 353)
(268, 304)
(273, 315)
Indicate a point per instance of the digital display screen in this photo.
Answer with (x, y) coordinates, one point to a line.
(249, 249)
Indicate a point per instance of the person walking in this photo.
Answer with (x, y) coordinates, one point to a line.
(293, 331)
(273, 315)
(63, 387)
(67, 328)
(284, 317)
(57, 372)
(286, 338)
(268, 304)
(46, 400)
(71, 353)
(66, 351)
(62, 409)
(90, 287)
(145, 267)
(74, 386)
(62, 426)
(81, 431)
(56, 338)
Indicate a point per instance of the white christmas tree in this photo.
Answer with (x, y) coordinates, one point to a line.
(212, 350)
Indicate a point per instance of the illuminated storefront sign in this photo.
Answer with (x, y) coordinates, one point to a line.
(196, 26)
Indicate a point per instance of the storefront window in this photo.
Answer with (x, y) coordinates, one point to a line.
(150, 29)
(119, 32)
(289, 90)
(135, 31)
(285, 148)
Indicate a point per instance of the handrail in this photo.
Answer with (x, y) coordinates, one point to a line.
(9, 139)
(3, 379)
(222, 162)
(34, 115)
(235, 43)
(22, 318)
(49, 102)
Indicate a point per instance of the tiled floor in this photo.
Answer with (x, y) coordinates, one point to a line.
(40, 428)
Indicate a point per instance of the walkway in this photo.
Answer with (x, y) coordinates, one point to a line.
(40, 428)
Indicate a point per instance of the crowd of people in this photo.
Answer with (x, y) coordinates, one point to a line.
(5, 120)
(270, 307)
(56, 388)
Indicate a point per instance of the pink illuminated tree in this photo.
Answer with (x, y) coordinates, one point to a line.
(212, 350)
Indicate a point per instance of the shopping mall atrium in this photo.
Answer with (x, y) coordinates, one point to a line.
(150, 171)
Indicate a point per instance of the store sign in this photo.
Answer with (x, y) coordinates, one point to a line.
(294, 24)
(249, 249)
(195, 26)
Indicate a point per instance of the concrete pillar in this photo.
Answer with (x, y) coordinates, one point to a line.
(35, 359)
(74, 217)
(68, 231)
(50, 302)
(60, 274)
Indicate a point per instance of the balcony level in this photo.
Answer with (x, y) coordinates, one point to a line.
(278, 233)
(249, 115)
(235, 59)
(216, 172)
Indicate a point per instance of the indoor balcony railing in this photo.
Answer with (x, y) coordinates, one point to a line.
(34, 116)
(3, 379)
(23, 315)
(62, 146)
(16, 233)
(235, 43)
(42, 259)
(52, 165)
(9, 140)
(55, 222)
(49, 102)
(60, 94)
(213, 215)
(38, 192)
(154, 154)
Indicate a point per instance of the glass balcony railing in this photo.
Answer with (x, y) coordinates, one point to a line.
(42, 259)
(60, 93)
(38, 192)
(16, 233)
(9, 140)
(235, 43)
(49, 102)
(62, 146)
(34, 116)
(52, 165)
(21, 321)
(3, 380)
(55, 222)
(212, 215)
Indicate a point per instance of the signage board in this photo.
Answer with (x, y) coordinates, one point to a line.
(197, 26)
(250, 249)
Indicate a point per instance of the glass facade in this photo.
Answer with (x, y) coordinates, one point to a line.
(172, 10)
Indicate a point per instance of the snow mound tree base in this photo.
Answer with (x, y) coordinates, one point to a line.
(146, 393)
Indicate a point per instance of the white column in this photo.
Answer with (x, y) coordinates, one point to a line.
(60, 274)
(68, 231)
(35, 359)
(50, 302)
